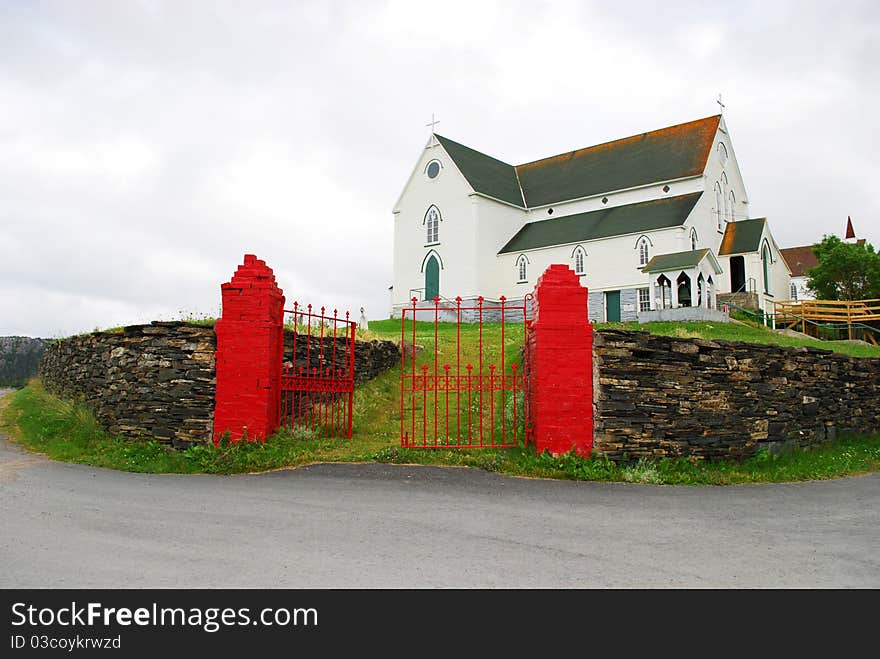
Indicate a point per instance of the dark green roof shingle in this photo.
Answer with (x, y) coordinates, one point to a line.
(485, 174)
(620, 220)
(743, 236)
(674, 261)
(660, 155)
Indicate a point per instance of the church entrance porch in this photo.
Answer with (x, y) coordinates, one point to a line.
(683, 280)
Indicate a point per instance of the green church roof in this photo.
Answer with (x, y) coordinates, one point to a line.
(485, 174)
(661, 155)
(603, 223)
(741, 237)
(676, 260)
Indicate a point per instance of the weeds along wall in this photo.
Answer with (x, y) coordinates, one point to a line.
(663, 396)
(157, 381)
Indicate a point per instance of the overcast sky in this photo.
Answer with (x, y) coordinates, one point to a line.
(147, 146)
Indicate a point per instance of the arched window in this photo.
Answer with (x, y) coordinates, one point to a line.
(521, 271)
(724, 194)
(718, 203)
(643, 252)
(664, 292)
(722, 152)
(694, 241)
(765, 263)
(579, 255)
(684, 290)
(732, 207)
(432, 225)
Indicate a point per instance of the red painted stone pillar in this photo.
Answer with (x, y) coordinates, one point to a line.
(560, 355)
(250, 344)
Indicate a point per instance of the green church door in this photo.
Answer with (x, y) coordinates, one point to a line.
(432, 278)
(612, 306)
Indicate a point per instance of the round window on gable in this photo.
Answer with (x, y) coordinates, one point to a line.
(433, 169)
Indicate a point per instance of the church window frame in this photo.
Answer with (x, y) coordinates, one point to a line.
(579, 256)
(722, 152)
(643, 250)
(766, 262)
(644, 299)
(432, 221)
(724, 191)
(695, 241)
(732, 198)
(718, 205)
(522, 272)
(434, 166)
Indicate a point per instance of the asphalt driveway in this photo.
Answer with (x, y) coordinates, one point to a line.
(371, 525)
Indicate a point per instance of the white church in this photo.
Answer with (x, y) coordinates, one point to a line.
(656, 225)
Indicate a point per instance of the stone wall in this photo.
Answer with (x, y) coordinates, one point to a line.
(664, 396)
(151, 381)
(371, 358)
(157, 381)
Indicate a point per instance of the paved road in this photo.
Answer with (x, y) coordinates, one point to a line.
(343, 526)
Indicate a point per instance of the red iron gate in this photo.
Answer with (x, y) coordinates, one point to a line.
(463, 400)
(317, 376)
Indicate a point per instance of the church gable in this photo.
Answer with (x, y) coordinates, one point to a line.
(662, 155)
(604, 223)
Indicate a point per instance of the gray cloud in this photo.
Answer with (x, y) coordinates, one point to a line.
(149, 145)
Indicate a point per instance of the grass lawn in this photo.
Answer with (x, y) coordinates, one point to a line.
(68, 431)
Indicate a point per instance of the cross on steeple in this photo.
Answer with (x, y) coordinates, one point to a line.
(433, 123)
(720, 104)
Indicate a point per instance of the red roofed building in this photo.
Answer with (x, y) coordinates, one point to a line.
(800, 260)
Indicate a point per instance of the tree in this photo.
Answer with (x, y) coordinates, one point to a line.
(846, 271)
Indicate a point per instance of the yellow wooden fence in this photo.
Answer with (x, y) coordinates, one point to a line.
(792, 313)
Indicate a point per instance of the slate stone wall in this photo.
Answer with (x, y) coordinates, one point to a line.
(151, 381)
(371, 358)
(157, 381)
(664, 396)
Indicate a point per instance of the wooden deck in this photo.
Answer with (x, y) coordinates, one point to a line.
(802, 315)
